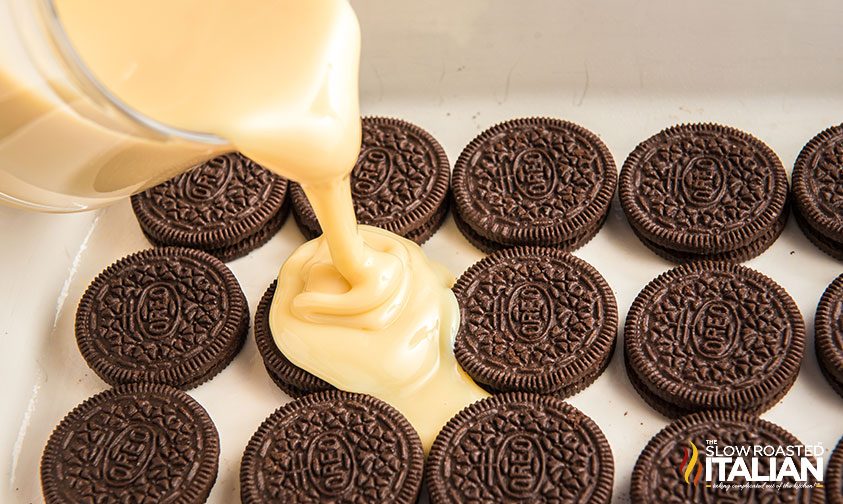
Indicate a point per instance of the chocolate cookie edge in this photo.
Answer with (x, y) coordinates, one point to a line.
(752, 397)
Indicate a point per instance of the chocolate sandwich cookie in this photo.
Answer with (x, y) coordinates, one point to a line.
(834, 476)
(535, 181)
(674, 466)
(169, 315)
(713, 335)
(227, 206)
(828, 334)
(400, 182)
(290, 378)
(333, 447)
(141, 443)
(535, 319)
(818, 190)
(520, 448)
(704, 191)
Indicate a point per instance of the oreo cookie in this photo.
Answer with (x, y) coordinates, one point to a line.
(834, 475)
(519, 447)
(828, 334)
(535, 319)
(134, 443)
(227, 206)
(818, 191)
(675, 465)
(535, 181)
(333, 447)
(704, 191)
(713, 336)
(291, 379)
(400, 182)
(170, 315)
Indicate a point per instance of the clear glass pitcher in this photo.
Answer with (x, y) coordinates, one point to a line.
(67, 144)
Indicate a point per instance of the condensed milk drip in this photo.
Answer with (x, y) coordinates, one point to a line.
(359, 307)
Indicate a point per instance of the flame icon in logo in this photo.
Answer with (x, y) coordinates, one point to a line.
(690, 462)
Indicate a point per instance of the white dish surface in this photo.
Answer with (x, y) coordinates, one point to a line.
(47, 261)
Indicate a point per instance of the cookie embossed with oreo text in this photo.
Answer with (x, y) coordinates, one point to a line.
(520, 448)
(713, 336)
(140, 443)
(704, 191)
(818, 191)
(535, 319)
(333, 447)
(168, 315)
(226, 206)
(399, 183)
(674, 466)
(534, 181)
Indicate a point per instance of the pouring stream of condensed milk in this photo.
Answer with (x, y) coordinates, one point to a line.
(359, 307)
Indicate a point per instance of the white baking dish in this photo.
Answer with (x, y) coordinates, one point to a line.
(623, 69)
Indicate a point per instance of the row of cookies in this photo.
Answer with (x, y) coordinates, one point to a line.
(229, 205)
(531, 317)
(521, 448)
(705, 335)
(690, 192)
(150, 443)
(165, 320)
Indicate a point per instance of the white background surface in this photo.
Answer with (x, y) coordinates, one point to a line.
(623, 69)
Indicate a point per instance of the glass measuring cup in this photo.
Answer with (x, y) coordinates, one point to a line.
(66, 143)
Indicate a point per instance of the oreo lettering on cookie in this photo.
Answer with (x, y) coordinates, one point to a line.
(711, 335)
(333, 447)
(169, 315)
(134, 443)
(534, 319)
(519, 447)
(535, 181)
(704, 191)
